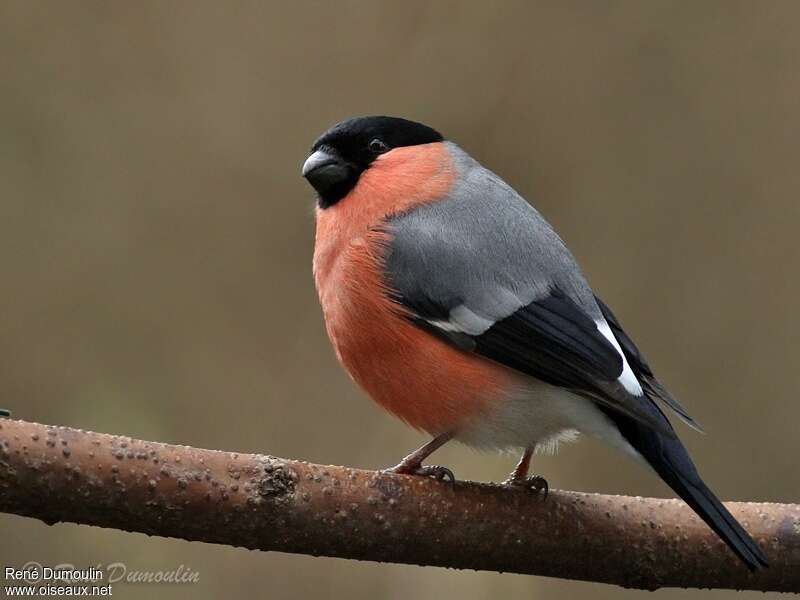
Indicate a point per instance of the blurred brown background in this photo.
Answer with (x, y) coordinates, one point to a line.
(156, 236)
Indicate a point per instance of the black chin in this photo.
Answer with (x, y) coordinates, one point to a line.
(331, 193)
(330, 175)
(332, 180)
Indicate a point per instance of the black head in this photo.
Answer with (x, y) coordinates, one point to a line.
(346, 150)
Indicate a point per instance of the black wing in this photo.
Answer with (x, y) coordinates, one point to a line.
(551, 339)
(644, 373)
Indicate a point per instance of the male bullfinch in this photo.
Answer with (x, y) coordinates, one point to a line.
(457, 307)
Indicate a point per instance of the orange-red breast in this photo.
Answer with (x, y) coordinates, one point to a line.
(456, 306)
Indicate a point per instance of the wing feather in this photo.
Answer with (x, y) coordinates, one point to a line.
(644, 373)
(482, 270)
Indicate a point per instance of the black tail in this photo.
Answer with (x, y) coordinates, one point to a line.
(670, 460)
(703, 501)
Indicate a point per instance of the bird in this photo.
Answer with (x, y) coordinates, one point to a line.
(454, 304)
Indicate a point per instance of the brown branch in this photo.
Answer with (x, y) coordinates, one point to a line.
(62, 474)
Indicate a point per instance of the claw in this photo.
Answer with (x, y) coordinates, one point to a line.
(435, 471)
(535, 483)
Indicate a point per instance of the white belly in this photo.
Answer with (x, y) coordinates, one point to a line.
(540, 415)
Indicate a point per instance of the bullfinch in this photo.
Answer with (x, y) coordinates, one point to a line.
(454, 304)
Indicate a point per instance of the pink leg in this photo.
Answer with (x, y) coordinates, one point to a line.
(412, 464)
(519, 476)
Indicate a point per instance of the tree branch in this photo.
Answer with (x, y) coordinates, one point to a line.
(268, 503)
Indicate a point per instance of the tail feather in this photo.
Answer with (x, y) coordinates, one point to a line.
(703, 501)
(671, 461)
(669, 458)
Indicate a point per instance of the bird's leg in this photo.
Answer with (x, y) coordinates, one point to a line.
(520, 472)
(412, 464)
(519, 476)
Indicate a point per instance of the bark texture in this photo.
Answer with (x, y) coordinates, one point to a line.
(268, 503)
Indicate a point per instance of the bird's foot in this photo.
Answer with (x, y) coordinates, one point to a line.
(535, 483)
(434, 471)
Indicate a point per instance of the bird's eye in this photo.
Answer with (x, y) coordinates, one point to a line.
(378, 146)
